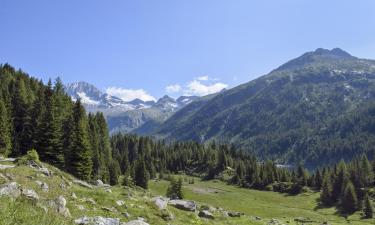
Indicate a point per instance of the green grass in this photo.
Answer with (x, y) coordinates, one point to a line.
(138, 203)
(264, 204)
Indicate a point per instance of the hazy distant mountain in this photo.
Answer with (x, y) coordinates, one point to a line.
(299, 111)
(127, 116)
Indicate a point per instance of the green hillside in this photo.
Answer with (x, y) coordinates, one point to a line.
(289, 114)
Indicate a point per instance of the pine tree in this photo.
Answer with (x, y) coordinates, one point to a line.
(326, 194)
(366, 172)
(368, 211)
(174, 190)
(79, 163)
(141, 174)
(114, 172)
(50, 146)
(349, 200)
(5, 136)
(339, 181)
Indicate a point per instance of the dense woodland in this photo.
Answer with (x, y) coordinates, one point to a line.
(44, 118)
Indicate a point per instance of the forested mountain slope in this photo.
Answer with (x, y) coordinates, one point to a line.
(300, 111)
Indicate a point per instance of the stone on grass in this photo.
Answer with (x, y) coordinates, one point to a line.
(74, 196)
(120, 203)
(206, 214)
(3, 167)
(30, 194)
(161, 202)
(45, 171)
(136, 222)
(235, 214)
(61, 206)
(10, 190)
(98, 220)
(184, 205)
(99, 183)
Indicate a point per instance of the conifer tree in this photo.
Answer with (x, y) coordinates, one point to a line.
(5, 136)
(114, 172)
(141, 174)
(50, 146)
(326, 194)
(349, 200)
(80, 156)
(368, 211)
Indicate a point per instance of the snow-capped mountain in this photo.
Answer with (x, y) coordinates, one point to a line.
(126, 116)
(95, 100)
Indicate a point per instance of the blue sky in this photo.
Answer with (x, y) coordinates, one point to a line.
(148, 48)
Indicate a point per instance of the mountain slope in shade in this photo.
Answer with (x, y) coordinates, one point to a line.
(283, 115)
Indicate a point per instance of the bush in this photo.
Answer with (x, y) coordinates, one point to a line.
(31, 155)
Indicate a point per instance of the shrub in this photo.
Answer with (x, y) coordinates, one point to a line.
(31, 155)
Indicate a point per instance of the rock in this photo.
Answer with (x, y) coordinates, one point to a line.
(45, 171)
(42, 185)
(274, 222)
(127, 215)
(62, 186)
(108, 190)
(235, 214)
(98, 220)
(183, 205)
(206, 214)
(60, 204)
(74, 196)
(10, 189)
(99, 183)
(30, 194)
(120, 203)
(3, 167)
(258, 218)
(82, 183)
(136, 222)
(161, 202)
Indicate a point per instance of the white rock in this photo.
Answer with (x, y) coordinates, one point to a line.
(161, 202)
(98, 220)
(11, 190)
(99, 183)
(45, 171)
(120, 202)
(136, 222)
(60, 205)
(74, 196)
(30, 194)
(184, 205)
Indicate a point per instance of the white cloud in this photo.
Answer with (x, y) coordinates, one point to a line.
(130, 94)
(203, 78)
(196, 87)
(173, 88)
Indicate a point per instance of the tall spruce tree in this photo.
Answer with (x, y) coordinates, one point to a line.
(326, 194)
(50, 147)
(368, 211)
(349, 200)
(141, 175)
(80, 156)
(5, 135)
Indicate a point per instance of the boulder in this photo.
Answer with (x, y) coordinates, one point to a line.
(98, 220)
(91, 201)
(137, 222)
(161, 202)
(10, 190)
(30, 194)
(45, 171)
(184, 205)
(82, 183)
(206, 214)
(42, 185)
(61, 206)
(99, 183)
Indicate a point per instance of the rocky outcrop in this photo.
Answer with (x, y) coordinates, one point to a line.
(42, 185)
(30, 194)
(184, 205)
